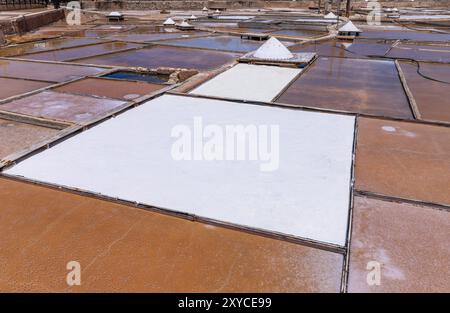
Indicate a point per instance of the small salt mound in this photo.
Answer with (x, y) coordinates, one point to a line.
(349, 27)
(205, 9)
(193, 17)
(330, 16)
(185, 24)
(273, 49)
(169, 21)
(115, 14)
(346, 45)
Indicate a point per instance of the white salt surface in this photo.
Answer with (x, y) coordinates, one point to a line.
(130, 157)
(248, 82)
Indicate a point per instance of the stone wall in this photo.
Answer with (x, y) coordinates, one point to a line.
(29, 22)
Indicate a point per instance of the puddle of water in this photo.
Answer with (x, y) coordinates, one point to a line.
(145, 77)
(352, 85)
(165, 56)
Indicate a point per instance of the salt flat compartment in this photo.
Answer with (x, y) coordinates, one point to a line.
(12, 86)
(226, 43)
(352, 85)
(81, 52)
(298, 32)
(16, 136)
(434, 53)
(406, 35)
(45, 71)
(61, 106)
(148, 37)
(248, 82)
(349, 49)
(432, 97)
(159, 56)
(130, 157)
(111, 88)
(51, 44)
(207, 258)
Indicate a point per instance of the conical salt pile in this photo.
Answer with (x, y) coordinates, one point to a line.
(193, 17)
(349, 27)
(169, 21)
(330, 16)
(185, 24)
(205, 9)
(273, 49)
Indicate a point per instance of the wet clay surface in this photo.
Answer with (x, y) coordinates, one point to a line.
(10, 87)
(353, 85)
(61, 106)
(432, 97)
(81, 52)
(110, 88)
(160, 56)
(409, 242)
(15, 136)
(405, 160)
(46, 72)
(46, 45)
(125, 249)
